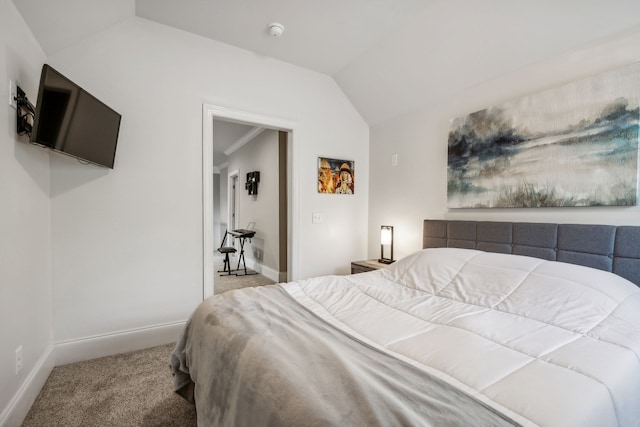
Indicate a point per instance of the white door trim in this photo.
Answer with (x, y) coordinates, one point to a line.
(232, 199)
(211, 112)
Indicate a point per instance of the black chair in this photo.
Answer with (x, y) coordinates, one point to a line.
(226, 250)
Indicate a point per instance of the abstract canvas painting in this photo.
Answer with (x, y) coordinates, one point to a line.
(574, 145)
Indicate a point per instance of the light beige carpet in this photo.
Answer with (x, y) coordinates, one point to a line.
(224, 283)
(130, 389)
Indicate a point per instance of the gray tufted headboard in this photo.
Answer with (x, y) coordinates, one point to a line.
(606, 247)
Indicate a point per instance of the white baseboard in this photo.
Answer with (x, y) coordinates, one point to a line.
(264, 270)
(118, 342)
(77, 350)
(18, 408)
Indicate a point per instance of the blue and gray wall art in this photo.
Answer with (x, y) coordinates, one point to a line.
(574, 145)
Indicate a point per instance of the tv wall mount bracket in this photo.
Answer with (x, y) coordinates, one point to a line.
(25, 113)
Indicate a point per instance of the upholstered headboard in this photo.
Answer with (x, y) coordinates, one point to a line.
(606, 247)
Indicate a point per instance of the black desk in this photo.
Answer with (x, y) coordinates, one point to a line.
(243, 235)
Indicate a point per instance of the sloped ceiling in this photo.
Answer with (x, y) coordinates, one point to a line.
(456, 44)
(388, 56)
(58, 24)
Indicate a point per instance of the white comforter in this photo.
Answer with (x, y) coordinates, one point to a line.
(547, 343)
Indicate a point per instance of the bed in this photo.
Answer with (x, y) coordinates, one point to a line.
(491, 323)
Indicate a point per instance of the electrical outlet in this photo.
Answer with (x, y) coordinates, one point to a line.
(18, 360)
(316, 218)
(13, 93)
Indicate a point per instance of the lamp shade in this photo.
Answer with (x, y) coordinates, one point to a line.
(385, 236)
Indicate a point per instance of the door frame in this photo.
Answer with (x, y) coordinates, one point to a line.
(211, 112)
(233, 179)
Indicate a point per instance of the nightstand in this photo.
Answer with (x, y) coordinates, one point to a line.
(367, 265)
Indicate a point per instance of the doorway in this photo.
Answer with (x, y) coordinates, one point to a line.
(289, 226)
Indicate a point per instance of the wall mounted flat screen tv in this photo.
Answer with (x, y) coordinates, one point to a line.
(71, 121)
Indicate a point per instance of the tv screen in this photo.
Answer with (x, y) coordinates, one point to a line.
(70, 120)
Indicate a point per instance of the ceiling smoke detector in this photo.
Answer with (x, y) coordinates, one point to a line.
(276, 29)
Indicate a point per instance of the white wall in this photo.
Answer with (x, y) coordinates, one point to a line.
(261, 154)
(127, 243)
(25, 233)
(220, 211)
(417, 188)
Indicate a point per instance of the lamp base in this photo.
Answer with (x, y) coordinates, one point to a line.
(386, 260)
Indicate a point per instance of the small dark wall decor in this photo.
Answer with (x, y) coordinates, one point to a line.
(253, 178)
(336, 176)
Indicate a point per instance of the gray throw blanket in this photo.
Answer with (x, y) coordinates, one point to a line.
(255, 357)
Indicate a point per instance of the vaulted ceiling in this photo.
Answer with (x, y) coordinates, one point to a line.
(388, 56)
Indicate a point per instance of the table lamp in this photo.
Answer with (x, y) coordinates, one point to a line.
(386, 239)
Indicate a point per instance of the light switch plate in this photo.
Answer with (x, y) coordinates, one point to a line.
(317, 218)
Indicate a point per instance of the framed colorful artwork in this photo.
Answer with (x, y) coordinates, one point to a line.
(573, 145)
(336, 176)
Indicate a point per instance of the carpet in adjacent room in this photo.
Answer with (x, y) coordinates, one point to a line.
(224, 282)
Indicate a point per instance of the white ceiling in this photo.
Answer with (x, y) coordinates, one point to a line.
(58, 24)
(225, 135)
(322, 35)
(453, 45)
(388, 56)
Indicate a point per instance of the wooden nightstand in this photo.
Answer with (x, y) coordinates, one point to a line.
(366, 265)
